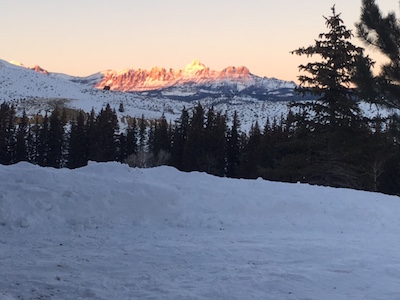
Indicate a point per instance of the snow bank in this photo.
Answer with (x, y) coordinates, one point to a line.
(107, 231)
(6, 297)
(111, 194)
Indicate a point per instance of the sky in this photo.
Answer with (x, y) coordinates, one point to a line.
(82, 37)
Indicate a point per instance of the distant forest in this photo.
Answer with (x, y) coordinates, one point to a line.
(363, 156)
(325, 141)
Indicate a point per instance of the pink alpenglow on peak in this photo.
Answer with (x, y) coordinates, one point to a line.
(158, 78)
(38, 69)
(194, 67)
(232, 72)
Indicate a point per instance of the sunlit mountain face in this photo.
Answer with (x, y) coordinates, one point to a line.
(195, 73)
(195, 79)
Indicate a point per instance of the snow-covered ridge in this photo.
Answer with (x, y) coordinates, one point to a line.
(253, 98)
(194, 73)
(108, 194)
(234, 89)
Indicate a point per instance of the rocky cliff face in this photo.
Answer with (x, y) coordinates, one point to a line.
(159, 78)
(194, 83)
(38, 69)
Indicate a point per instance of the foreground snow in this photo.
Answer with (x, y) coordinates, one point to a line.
(108, 231)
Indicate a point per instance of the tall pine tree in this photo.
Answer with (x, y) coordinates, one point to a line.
(55, 140)
(21, 151)
(330, 78)
(7, 128)
(333, 120)
(107, 127)
(233, 148)
(78, 143)
(194, 147)
(180, 135)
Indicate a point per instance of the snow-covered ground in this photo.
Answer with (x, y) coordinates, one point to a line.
(107, 231)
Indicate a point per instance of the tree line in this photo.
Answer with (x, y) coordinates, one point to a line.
(363, 156)
(327, 141)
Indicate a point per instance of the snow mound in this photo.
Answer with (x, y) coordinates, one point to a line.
(6, 297)
(112, 194)
(107, 231)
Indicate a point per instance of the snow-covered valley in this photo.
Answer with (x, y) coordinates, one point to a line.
(107, 231)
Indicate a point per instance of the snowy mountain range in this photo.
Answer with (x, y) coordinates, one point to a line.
(194, 82)
(196, 77)
(149, 92)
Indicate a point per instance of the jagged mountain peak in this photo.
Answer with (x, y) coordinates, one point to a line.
(194, 73)
(194, 78)
(233, 72)
(35, 68)
(194, 67)
(38, 69)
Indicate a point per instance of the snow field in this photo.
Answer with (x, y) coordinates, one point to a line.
(107, 231)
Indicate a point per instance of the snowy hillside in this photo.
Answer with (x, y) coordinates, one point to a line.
(42, 90)
(233, 89)
(231, 80)
(107, 231)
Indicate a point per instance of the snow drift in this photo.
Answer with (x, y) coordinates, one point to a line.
(107, 231)
(109, 194)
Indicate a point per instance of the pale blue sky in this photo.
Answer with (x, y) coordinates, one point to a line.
(80, 37)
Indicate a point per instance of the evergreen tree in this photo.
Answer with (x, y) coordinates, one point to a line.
(272, 150)
(42, 142)
(382, 33)
(91, 130)
(179, 139)
(170, 133)
(331, 77)
(333, 121)
(55, 140)
(142, 134)
(107, 127)
(33, 141)
(122, 147)
(131, 138)
(161, 135)
(233, 148)
(208, 159)
(194, 147)
(159, 143)
(250, 160)
(21, 151)
(78, 143)
(215, 144)
(151, 137)
(7, 128)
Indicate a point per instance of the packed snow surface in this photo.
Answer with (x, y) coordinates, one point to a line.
(107, 231)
